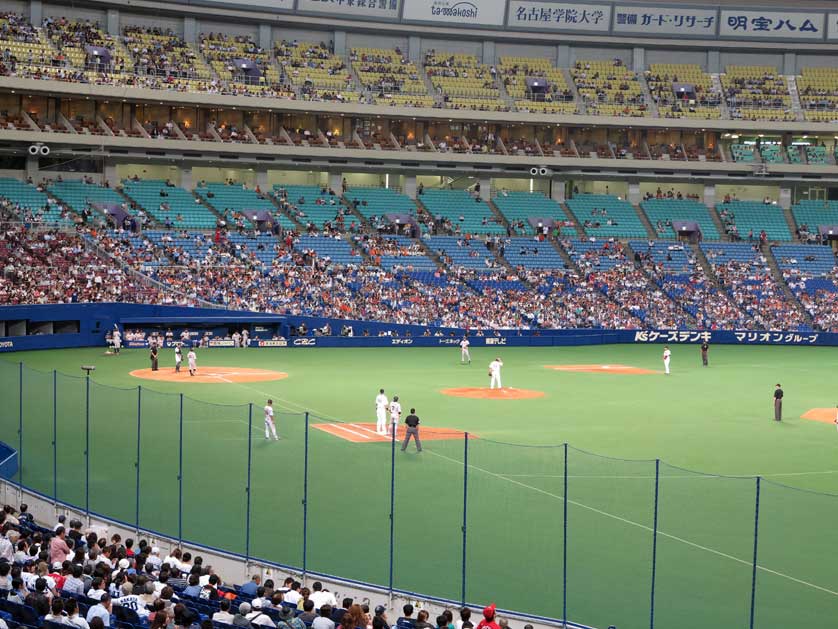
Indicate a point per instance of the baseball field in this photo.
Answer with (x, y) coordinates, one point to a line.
(677, 495)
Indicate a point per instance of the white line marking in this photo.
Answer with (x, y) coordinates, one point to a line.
(696, 476)
(365, 429)
(342, 427)
(641, 526)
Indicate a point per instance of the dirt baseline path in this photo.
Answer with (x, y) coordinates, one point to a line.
(210, 375)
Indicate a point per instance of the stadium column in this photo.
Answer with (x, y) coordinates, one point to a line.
(335, 179)
(186, 178)
(710, 195)
(410, 186)
(557, 190)
(33, 167)
(265, 36)
(36, 11)
(190, 30)
(113, 22)
(634, 193)
(262, 179)
(638, 59)
(486, 188)
(785, 198)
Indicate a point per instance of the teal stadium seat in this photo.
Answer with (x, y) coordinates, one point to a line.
(661, 210)
(238, 199)
(756, 215)
(814, 213)
(338, 251)
(628, 223)
(743, 153)
(79, 195)
(816, 154)
(772, 154)
(529, 253)
(381, 201)
(453, 204)
(519, 206)
(29, 198)
(193, 215)
(319, 215)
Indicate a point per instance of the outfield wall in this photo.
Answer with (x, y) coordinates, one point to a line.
(30, 328)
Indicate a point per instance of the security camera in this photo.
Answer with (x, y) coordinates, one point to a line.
(34, 149)
(534, 171)
(543, 171)
(44, 150)
(39, 149)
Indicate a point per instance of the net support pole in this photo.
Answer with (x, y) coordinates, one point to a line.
(137, 463)
(87, 447)
(55, 439)
(20, 433)
(465, 520)
(654, 545)
(305, 500)
(247, 488)
(564, 541)
(180, 475)
(392, 507)
(756, 546)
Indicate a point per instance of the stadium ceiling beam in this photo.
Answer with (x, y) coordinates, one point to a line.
(86, 91)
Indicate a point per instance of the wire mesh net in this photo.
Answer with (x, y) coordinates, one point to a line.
(705, 549)
(36, 456)
(159, 465)
(70, 439)
(215, 442)
(10, 409)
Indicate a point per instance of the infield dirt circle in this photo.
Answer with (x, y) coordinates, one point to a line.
(482, 393)
(210, 375)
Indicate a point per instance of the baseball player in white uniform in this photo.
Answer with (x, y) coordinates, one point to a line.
(381, 412)
(395, 416)
(178, 358)
(270, 426)
(666, 355)
(116, 339)
(465, 356)
(494, 373)
(192, 359)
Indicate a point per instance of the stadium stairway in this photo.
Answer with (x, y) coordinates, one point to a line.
(640, 267)
(568, 261)
(206, 203)
(498, 214)
(787, 213)
(647, 224)
(580, 230)
(300, 227)
(698, 252)
(765, 249)
(717, 221)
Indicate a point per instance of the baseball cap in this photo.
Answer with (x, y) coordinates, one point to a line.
(256, 603)
(489, 612)
(124, 563)
(155, 550)
(56, 565)
(380, 609)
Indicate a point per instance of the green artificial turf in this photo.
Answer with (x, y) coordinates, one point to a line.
(708, 426)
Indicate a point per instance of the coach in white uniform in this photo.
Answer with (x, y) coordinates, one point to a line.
(270, 425)
(465, 356)
(381, 404)
(666, 356)
(494, 373)
(116, 339)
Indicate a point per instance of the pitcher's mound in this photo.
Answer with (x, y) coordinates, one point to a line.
(210, 375)
(620, 369)
(825, 415)
(481, 393)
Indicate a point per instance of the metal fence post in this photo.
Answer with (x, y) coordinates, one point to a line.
(392, 503)
(247, 489)
(305, 499)
(20, 430)
(87, 447)
(55, 438)
(137, 464)
(654, 546)
(180, 477)
(564, 544)
(756, 545)
(465, 518)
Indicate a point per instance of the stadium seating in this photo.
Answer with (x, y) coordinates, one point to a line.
(164, 54)
(662, 77)
(184, 210)
(805, 260)
(816, 155)
(818, 89)
(661, 211)
(71, 38)
(30, 204)
(595, 211)
(337, 250)
(463, 253)
(242, 201)
(312, 64)
(224, 51)
(390, 251)
(466, 215)
(532, 254)
(306, 209)
(670, 256)
(378, 202)
(463, 82)
(815, 213)
(743, 153)
(514, 72)
(517, 207)
(756, 216)
(771, 153)
(757, 93)
(609, 88)
(384, 71)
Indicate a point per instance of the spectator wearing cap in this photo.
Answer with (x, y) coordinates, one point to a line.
(58, 548)
(101, 610)
(257, 616)
(488, 621)
(153, 561)
(324, 620)
(289, 620)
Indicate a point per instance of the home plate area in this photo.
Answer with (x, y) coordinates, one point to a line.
(611, 368)
(365, 433)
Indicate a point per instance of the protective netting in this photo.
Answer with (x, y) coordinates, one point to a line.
(797, 580)
(515, 526)
(114, 414)
(36, 455)
(10, 408)
(71, 471)
(277, 488)
(705, 549)
(348, 501)
(215, 443)
(428, 515)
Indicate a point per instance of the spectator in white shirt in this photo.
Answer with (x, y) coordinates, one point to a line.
(223, 615)
(258, 617)
(320, 596)
(71, 608)
(101, 610)
(56, 613)
(293, 595)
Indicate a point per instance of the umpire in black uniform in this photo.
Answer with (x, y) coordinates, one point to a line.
(412, 422)
(153, 356)
(705, 347)
(778, 404)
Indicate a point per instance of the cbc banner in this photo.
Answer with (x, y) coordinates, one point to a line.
(559, 16)
(658, 20)
(455, 12)
(807, 25)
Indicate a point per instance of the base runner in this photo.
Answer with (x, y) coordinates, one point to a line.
(395, 416)
(270, 425)
(381, 413)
